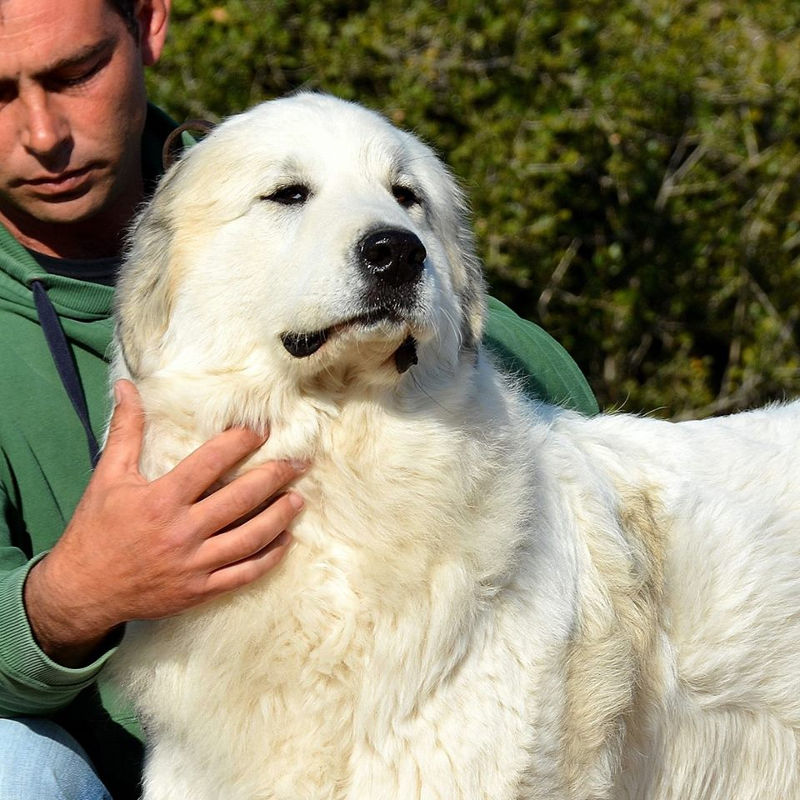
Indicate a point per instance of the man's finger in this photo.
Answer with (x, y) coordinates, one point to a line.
(205, 466)
(124, 442)
(243, 495)
(250, 537)
(250, 569)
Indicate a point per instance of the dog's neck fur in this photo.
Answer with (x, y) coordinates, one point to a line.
(368, 433)
(396, 547)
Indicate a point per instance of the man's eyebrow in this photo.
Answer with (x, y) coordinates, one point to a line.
(84, 54)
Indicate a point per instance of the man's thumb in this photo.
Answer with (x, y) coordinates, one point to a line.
(124, 440)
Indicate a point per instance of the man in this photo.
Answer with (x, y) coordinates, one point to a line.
(83, 553)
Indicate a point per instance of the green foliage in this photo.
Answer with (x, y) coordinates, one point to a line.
(633, 166)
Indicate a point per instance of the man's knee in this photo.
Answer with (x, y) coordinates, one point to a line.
(39, 759)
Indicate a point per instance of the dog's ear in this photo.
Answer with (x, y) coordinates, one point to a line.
(473, 291)
(468, 281)
(144, 294)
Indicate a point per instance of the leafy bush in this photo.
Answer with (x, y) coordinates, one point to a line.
(633, 166)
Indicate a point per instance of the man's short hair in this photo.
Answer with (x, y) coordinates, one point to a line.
(127, 10)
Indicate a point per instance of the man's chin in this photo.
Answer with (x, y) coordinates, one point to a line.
(79, 225)
(66, 207)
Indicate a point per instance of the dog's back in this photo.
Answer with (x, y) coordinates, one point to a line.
(718, 712)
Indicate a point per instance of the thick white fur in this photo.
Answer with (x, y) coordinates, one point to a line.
(486, 598)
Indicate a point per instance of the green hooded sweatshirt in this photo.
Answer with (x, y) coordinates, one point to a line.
(44, 468)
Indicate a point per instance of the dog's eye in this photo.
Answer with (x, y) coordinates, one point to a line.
(405, 196)
(292, 195)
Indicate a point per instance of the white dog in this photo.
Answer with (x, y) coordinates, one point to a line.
(486, 598)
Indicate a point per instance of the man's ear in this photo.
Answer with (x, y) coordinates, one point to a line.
(153, 19)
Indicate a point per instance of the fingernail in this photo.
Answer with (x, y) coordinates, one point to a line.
(117, 394)
(295, 500)
(298, 465)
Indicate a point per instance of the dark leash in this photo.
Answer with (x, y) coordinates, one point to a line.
(173, 146)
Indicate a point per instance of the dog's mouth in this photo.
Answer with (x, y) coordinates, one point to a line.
(302, 344)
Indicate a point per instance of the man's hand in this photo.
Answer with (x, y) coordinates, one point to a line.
(142, 550)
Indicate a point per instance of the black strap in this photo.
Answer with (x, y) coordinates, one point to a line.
(65, 363)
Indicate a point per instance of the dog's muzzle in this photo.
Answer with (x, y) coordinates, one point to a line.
(392, 261)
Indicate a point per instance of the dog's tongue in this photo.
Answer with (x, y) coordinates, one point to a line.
(406, 355)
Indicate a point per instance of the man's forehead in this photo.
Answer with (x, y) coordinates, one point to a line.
(28, 12)
(37, 35)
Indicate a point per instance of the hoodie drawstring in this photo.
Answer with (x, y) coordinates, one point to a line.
(65, 363)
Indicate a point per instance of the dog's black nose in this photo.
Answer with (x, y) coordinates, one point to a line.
(392, 256)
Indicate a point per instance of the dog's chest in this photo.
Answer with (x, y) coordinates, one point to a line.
(358, 668)
(314, 693)
(260, 688)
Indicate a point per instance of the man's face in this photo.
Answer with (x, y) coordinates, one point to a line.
(72, 110)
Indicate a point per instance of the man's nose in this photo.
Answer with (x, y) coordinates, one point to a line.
(44, 126)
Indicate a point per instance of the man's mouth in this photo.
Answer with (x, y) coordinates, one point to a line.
(302, 344)
(64, 182)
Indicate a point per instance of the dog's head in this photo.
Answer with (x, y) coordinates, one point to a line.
(302, 237)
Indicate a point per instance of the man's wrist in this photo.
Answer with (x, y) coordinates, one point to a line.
(64, 627)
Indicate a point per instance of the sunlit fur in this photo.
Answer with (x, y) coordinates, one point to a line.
(486, 598)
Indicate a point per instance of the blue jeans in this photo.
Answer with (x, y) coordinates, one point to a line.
(40, 761)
